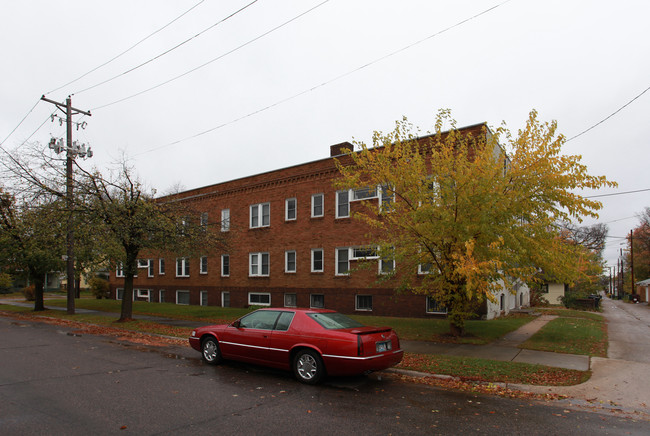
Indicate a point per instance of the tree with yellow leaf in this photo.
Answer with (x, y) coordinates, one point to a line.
(471, 214)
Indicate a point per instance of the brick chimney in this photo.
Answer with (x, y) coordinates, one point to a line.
(339, 149)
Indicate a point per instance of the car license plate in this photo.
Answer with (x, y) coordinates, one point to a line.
(383, 346)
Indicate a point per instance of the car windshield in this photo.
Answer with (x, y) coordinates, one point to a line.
(334, 320)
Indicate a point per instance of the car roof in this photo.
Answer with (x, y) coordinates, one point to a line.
(299, 309)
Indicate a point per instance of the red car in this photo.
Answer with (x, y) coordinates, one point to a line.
(311, 342)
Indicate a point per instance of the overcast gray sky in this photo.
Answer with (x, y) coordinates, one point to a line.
(278, 82)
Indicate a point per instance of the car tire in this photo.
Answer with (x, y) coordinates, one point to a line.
(308, 366)
(210, 351)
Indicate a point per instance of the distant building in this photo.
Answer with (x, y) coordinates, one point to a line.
(294, 243)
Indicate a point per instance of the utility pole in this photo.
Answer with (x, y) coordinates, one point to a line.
(632, 261)
(71, 152)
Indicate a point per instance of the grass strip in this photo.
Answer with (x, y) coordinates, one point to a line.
(573, 335)
(474, 369)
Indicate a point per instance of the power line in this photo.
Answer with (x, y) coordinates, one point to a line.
(609, 116)
(317, 86)
(21, 121)
(128, 49)
(167, 51)
(212, 60)
(618, 193)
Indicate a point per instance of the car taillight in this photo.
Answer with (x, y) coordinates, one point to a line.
(359, 346)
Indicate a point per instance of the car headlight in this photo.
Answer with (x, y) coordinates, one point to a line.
(193, 333)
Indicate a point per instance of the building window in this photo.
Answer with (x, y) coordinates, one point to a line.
(119, 293)
(317, 205)
(387, 198)
(161, 296)
(225, 265)
(259, 265)
(290, 261)
(425, 268)
(143, 263)
(363, 302)
(119, 270)
(225, 220)
(317, 260)
(260, 215)
(386, 266)
(204, 221)
(343, 204)
(204, 298)
(142, 294)
(434, 307)
(225, 299)
(290, 209)
(204, 265)
(317, 301)
(342, 261)
(290, 300)
(364, 193)
(150, 268)
(182, 267)
(259, 299)
(183, 297)
(161, 266)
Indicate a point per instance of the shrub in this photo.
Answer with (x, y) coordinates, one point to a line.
(99, 287)
(29, 293)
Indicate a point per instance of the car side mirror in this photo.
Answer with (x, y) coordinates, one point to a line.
(236, 324)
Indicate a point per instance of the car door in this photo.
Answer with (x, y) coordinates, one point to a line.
(248, 339)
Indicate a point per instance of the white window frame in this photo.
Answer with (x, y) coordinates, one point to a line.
(142, 293)
(287, 254)
(119, 269)
(223, 272)
(150, 271)
(203, 265)
(161, 266)
(260, 208)
(143, 263)
(256, 261)
(362, 309)
(339, 204)
(363, 253)
(365, 193)
(224, 295)
(313, 205)
(225, 220)
(347, 251)
(178, 292)
(381, 266)
(313, 259)
(287, 209)
(119, 291)
(261, 294)
(203, 298)
(185, 262)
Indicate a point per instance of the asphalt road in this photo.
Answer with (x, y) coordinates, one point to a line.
(55, 382)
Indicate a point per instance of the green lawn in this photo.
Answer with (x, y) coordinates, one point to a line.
(573, 332)
(468, 368)
(424, 329)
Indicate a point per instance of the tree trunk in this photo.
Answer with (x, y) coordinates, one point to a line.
(456, 330)
(127, 298)
(38, 294)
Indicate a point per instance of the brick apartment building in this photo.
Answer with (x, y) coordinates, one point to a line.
(293, 243)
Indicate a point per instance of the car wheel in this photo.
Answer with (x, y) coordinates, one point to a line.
(308, 366)
(210, 351)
